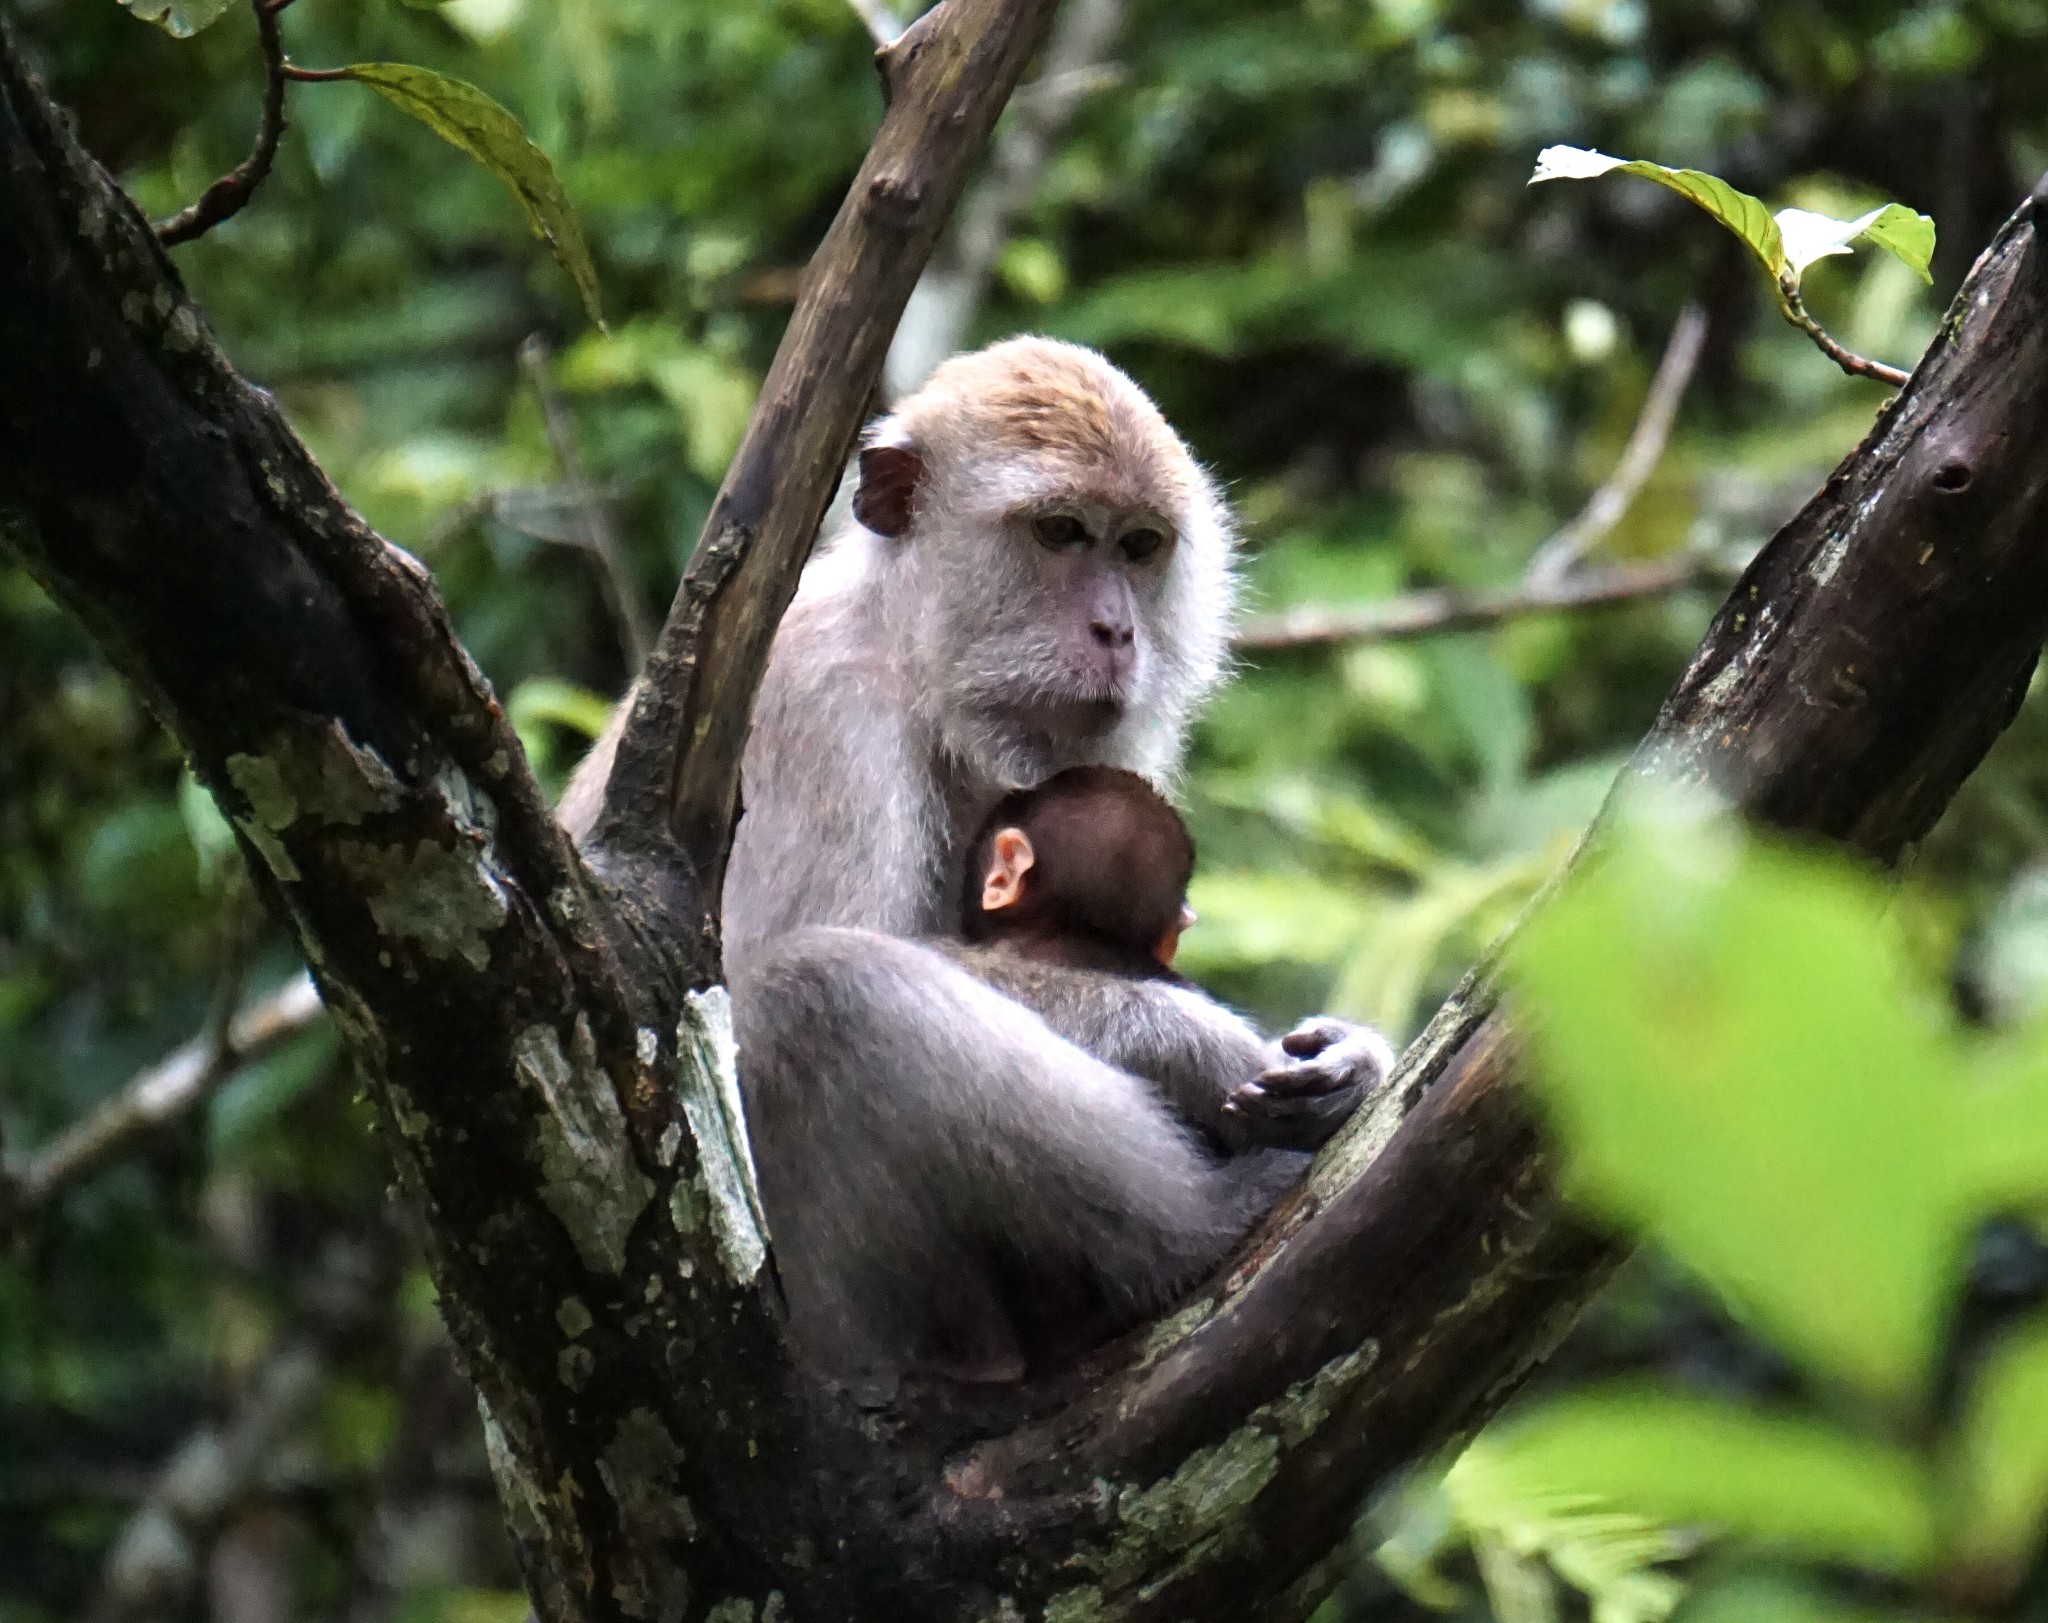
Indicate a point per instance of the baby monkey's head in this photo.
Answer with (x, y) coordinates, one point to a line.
(1091, 866)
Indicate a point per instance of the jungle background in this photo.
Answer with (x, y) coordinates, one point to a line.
(1304, 226)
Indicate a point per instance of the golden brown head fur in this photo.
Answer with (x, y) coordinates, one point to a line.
(1091, 430)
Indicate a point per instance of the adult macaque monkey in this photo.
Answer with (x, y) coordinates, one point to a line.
(1039, 577)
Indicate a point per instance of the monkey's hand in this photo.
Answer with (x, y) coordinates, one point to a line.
(1329, 1068)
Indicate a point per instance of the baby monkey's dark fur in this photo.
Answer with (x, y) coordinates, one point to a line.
(1107, 882)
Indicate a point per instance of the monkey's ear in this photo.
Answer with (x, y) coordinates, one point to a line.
(889, 476)
(1010, 859)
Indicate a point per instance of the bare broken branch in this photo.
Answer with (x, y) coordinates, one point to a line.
(880, 20)
(936, 320)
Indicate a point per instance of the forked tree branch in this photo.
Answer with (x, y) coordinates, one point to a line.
(676, 769)
(545, 1054)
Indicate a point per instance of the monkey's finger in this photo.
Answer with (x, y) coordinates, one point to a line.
(1314, 1035)
(1309, 1077)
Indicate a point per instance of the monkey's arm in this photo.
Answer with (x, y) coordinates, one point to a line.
(1205, 1061)
(836, 826)
(932, 1157)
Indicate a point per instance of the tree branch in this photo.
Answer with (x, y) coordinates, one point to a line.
(1608, 505)
(227, 195)
(947, 78)
(593, 520)
(942, 307)
(1422, 614)
(1857, 366)
(178, 1083)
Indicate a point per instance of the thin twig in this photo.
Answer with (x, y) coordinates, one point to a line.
(1558, 556)
(1419, 614)
(943, 306)
(1847, 359)
(593, 520)
(882, 23)
(176, 1084)
(227, 195)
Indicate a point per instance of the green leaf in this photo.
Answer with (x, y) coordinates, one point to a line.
(1788, 1483)
(1897, 229)
(181, 19)
(1905, 234)
(1785, 243)
(1999, 1476)
(465, 117)
(547, 699)
(1738, 211)
(1737, 1064)
(1608, 1554)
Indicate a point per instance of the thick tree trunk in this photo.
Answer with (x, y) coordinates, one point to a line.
(547, 1048)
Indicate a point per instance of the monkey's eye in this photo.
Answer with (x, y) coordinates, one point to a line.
(1060, 532)
(1141, 544)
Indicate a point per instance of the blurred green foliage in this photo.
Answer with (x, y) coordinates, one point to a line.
(1304, 226)
(1741, 1065)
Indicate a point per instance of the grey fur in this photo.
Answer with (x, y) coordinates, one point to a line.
(950, 1181)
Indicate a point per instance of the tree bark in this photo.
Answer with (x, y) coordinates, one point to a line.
(546, 1047)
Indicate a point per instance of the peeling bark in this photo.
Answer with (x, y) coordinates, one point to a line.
(545, 1046)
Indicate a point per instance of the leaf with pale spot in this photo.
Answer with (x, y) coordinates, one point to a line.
(1738, 211)
(1785, 243)
(181, 19)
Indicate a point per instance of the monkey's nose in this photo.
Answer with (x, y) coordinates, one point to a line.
(1112, 633)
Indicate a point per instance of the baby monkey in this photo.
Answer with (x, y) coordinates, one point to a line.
(1073, 904)
(1090, 869)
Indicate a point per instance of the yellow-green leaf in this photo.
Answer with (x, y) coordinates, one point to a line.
(181, 19)
(1895, 228)
(1999, 1486)
(465, 117)
(1775, 1480)
(1907, 235)
(1738, 211)
(1729, 1049)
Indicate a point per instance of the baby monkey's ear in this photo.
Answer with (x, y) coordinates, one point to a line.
(1010, 859)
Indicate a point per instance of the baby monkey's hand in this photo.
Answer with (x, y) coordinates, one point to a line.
(1328, 1068)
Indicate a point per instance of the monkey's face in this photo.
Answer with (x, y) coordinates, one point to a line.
(1055, 639)
(1062, 567)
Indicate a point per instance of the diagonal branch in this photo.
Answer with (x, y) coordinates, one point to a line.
(178, 1083)
(935, 322)
(1639, 457)
(676, 769)
(1422, 614)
